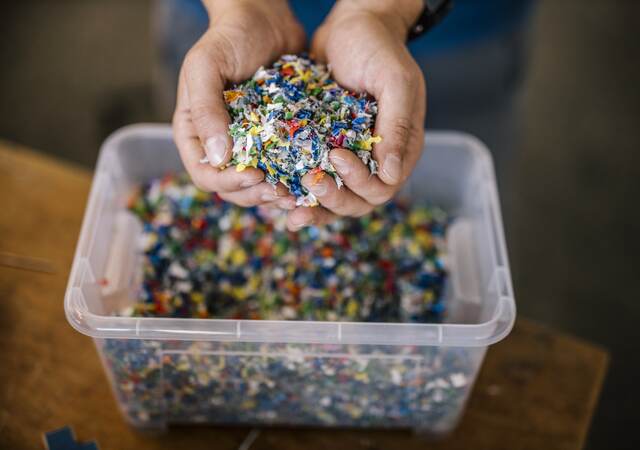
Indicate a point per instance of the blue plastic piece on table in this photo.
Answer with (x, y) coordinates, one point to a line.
(63, 439)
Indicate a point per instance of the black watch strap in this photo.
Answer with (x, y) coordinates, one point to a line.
(432, 13)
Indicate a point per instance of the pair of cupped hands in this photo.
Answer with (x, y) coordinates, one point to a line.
(363, 41)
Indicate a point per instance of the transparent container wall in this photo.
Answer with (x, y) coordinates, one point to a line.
(162, 382)
(167, 371)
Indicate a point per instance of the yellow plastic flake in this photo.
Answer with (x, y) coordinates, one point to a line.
(418, 216)
(254, 117)
(240, 167)
(376, 225)
(413, 249)
(367, 145)
(429, 297)
(353, 410)
(352, 308)
(183, 365)
(395, 237)
(362, 376)
(239, 292)
(424, 238)
(306, 75)
(230, 96)
(248, 405)
(254, 283)
(202, 196)
(238, 256)
(197, 297)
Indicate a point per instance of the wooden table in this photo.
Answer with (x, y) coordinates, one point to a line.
(537, 389)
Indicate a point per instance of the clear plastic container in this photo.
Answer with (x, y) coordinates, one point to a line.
(166, 370)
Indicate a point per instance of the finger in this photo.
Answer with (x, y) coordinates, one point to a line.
(259, 194)
(209, 178)
(204, 176)
(342, 202)
(204, 68)
(287, 203)
(396, 122)
(319, 43)
(358, 178)
(303, 217)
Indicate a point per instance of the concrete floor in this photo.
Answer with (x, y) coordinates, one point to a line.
(571, 225)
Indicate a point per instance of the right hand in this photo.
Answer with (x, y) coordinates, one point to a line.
(243, 35)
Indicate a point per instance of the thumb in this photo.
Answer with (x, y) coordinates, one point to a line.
(204, 69)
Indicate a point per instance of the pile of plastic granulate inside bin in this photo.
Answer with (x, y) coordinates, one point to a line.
(205, 258)
(287, 118)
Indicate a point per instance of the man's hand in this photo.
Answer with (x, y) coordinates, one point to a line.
(243, 35)
(364, 42)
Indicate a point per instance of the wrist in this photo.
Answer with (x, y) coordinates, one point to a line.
(215, 7)
(397, 15)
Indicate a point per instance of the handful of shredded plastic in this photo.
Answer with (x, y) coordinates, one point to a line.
(287, 118)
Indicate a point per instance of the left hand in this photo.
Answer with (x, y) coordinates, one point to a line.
(364, 42)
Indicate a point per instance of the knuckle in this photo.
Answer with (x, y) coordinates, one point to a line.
(245, 203)
(196, 56)
(200, 112)
(332, 200)
(226, 52)
(405, 77)
(201, 181)
(380, 198)
(364, 211)
(236, 199)
(401, 130)
(211, 54)
(228, 198)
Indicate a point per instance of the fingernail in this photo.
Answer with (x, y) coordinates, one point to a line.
(341, 165)
(216, 150)
(392, 167)
(318, 189)
(287, 203)
(269, 196)
(302, 223)
(252, 181)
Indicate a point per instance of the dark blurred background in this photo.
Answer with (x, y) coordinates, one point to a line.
(73, 71)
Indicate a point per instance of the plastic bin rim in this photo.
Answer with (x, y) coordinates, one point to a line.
(307, 332)
(282, 331)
